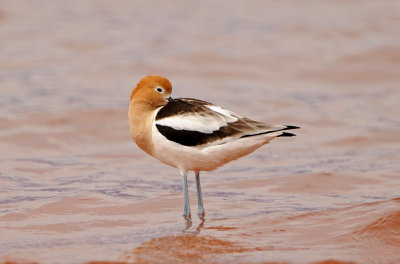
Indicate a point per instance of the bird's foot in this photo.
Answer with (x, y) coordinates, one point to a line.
(187, 216)
(201, 215)
(188, 221)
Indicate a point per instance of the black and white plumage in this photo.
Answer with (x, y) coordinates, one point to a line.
(197, 123)
(190, 134)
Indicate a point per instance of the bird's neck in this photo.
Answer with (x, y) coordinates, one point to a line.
(141, 115)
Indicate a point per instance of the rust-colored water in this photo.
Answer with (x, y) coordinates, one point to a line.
(75, 189)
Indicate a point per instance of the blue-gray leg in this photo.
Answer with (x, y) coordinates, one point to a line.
(186, 207)
(200, 207)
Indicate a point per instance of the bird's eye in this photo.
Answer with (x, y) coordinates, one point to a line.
(158, 89)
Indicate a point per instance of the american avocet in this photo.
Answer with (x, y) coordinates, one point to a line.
(190, 134)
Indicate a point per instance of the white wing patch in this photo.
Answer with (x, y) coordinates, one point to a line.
(201, 121)
(230, 116)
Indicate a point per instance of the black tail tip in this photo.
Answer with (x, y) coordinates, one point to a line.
(288, 127)
(286, 134)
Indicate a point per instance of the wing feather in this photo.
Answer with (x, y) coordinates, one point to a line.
(194, 115)
(192, 122)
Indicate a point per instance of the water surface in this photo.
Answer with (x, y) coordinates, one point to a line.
(75, 189)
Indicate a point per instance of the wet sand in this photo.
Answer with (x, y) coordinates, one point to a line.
(74, 188)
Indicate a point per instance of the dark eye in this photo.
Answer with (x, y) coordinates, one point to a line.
(158, 89)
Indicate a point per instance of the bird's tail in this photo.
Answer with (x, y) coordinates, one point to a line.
(287, 134)
(276, 132)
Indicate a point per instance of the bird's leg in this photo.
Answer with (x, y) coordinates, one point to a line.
(200, 207)
(186, 207)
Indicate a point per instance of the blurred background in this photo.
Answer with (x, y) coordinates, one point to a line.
(74, 188)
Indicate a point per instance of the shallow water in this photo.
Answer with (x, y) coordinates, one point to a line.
(75, 189)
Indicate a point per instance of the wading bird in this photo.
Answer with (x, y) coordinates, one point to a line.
(190, 134)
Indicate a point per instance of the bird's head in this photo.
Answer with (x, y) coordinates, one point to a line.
(153, 89)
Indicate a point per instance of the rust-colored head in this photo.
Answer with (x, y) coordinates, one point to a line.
(153, 89)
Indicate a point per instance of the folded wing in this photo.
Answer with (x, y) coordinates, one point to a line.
(192, 122)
